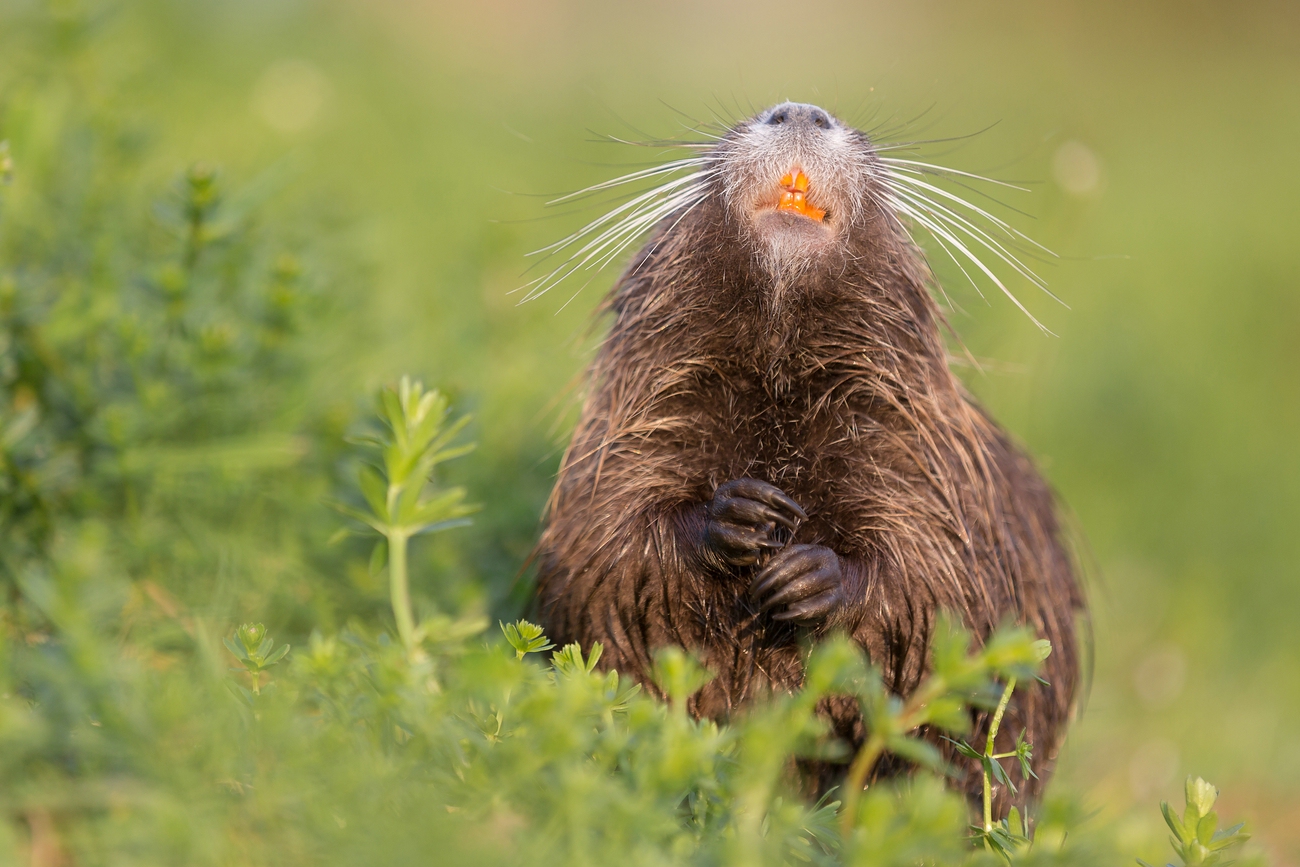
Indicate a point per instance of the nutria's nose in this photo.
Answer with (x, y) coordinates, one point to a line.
(798, 114)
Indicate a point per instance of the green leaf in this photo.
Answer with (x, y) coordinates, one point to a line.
(276, 656)
(375, 490)
(378, 557)
(998, 773)
(234, 648)
(1173, 821)
(1206, 827)
(1200, 796)
(1025, 755)
(358, 515)
(438, 527)
(525, 637)
(391, 409)
(568, 660)
(920, 752)
(678, 675)
(948, 713)
(1042, 649)
(966, 749)
(1014, 825)
(1228, 837)
(456, 452)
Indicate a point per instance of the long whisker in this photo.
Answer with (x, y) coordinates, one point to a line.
(631, 177)
(931, 168)
(598, 253)
(903, 174)
(952, 221)
(663, 143)
(630, 239)
(605, 238)
(630, 205)
(938, 229)
(1000, 223)
(631, 226)
(887, 207)
(959, 223)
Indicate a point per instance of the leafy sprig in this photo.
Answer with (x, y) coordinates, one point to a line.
(1197, 838)
(256, 650)
(399, 491)
(526, 638)
(958, 677)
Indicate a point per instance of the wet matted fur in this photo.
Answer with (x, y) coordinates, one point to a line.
(814, 363)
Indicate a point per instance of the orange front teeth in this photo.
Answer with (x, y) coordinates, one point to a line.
(794, 197)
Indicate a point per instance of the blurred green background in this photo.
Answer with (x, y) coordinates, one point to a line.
(1158, 142)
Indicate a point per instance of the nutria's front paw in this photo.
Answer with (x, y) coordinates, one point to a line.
(747, 518)
(803, 583)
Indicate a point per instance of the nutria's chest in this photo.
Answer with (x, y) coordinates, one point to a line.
(795, 426)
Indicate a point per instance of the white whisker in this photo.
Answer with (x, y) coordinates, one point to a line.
(929, 168)
(938, 229)
(664, 169)
(620, 228)
(959, 223)
(1000, 223)
(630, 205)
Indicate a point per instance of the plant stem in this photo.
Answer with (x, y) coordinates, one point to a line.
(400, 589)
(988, 752)
(908, 719)
(856, 781)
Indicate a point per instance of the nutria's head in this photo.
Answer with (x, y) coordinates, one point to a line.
(795, 190)
(796, 182)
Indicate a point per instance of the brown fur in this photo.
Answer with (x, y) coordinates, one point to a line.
(833, 385)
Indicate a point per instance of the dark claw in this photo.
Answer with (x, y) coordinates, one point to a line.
(812, 610)
(800, 589)
(753, 489)
(804, 582)
(747, 518)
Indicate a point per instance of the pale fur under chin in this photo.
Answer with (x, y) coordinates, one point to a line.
(788, 252)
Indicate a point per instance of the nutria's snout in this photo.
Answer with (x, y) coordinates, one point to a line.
(799, 116)
(795, 181)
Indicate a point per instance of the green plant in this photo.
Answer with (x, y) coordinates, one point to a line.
(940, 701)
(403, 502)
(1197, 838)
(1007, 835)
(525, 638)
(253, 647)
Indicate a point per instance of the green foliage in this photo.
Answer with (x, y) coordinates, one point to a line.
(958, 679)
(153, 363)
(399, 493)
(1197, 838)
(525, 637)
(1009, 835)
(255, 649)
(467, 747)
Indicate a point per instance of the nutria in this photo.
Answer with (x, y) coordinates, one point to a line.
(773, 446)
